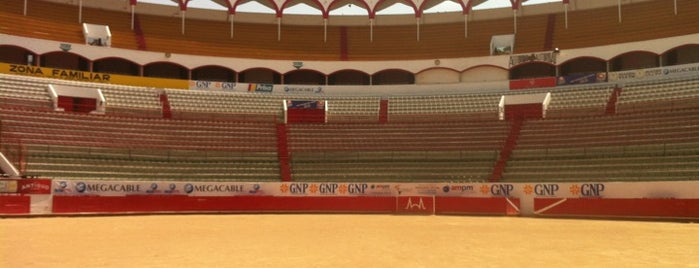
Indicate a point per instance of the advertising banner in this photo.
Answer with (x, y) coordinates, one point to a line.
(260, 88)
(34, 186)
(582, 78)
(655, 73)
(679, 189)
(211, 85)
(299, 89)
(83, 76)
(8, 186)
(305, 104)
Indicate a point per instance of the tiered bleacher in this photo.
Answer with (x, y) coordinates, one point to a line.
(653, 136)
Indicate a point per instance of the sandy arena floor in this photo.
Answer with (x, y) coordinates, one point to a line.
(343, 241)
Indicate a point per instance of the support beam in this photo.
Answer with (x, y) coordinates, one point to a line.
(675, 2)
(619, 9)
(417, 21)
(133, 16)
(465, 25)
(231, 18)
(325, 30)
(183, 20)
(80, 11)
(25, 8)
(279, 29)
(371, 30)
(514, 11)
(566, 14)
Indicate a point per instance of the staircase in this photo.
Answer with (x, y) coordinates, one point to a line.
(343, 43)
(167, 112)
(138, 32)
(611, 103)
(550, 26)
(283, 152)
(510, 143)
(383, 111)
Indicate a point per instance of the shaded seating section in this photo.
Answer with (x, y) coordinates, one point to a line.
(659, 95)
(194, 104)
(579, 101)
(419, 151)
(120, 100)
(407, 108)
(24, 92)
(353, 109)
(662, 145)
(640, 21)
(59, 22)
(71, 146)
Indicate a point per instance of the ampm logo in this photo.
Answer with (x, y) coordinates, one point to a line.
(587, 189)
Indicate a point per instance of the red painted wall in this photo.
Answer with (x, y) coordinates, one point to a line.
(619, 207)
(14, 204)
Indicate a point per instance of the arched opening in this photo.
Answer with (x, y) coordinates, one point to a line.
(213, 73)
(532, 70)
(260, 75)
(304, 77)
(349, 77)
(65, 60)
(634, 60)
(114, 65)
(17, 55)
(165, 70)
(438, 76)
(583, 65)
(393, 77)
(681, 55)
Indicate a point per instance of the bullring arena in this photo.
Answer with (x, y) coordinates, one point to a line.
(556, 134)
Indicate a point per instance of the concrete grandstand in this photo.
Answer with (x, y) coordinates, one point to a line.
(195, 96)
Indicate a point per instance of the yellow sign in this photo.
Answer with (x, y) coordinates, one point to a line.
(47, 72)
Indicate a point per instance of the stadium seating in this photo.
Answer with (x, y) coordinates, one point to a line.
(391, 42)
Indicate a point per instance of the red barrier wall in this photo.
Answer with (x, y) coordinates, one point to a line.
(532, 83)
(420, 205)
(14, 204)
(477, 206)
(618, 207)
(175, 203)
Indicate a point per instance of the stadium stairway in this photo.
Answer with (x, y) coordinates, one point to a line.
(507, 149)
(167, 110)
(283, 152)
(612, 102)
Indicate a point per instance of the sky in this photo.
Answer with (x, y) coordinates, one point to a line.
(398, 8)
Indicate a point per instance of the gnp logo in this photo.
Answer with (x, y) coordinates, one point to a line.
(498, 189)
(294, 188)
(587, 189)
(546, 189)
